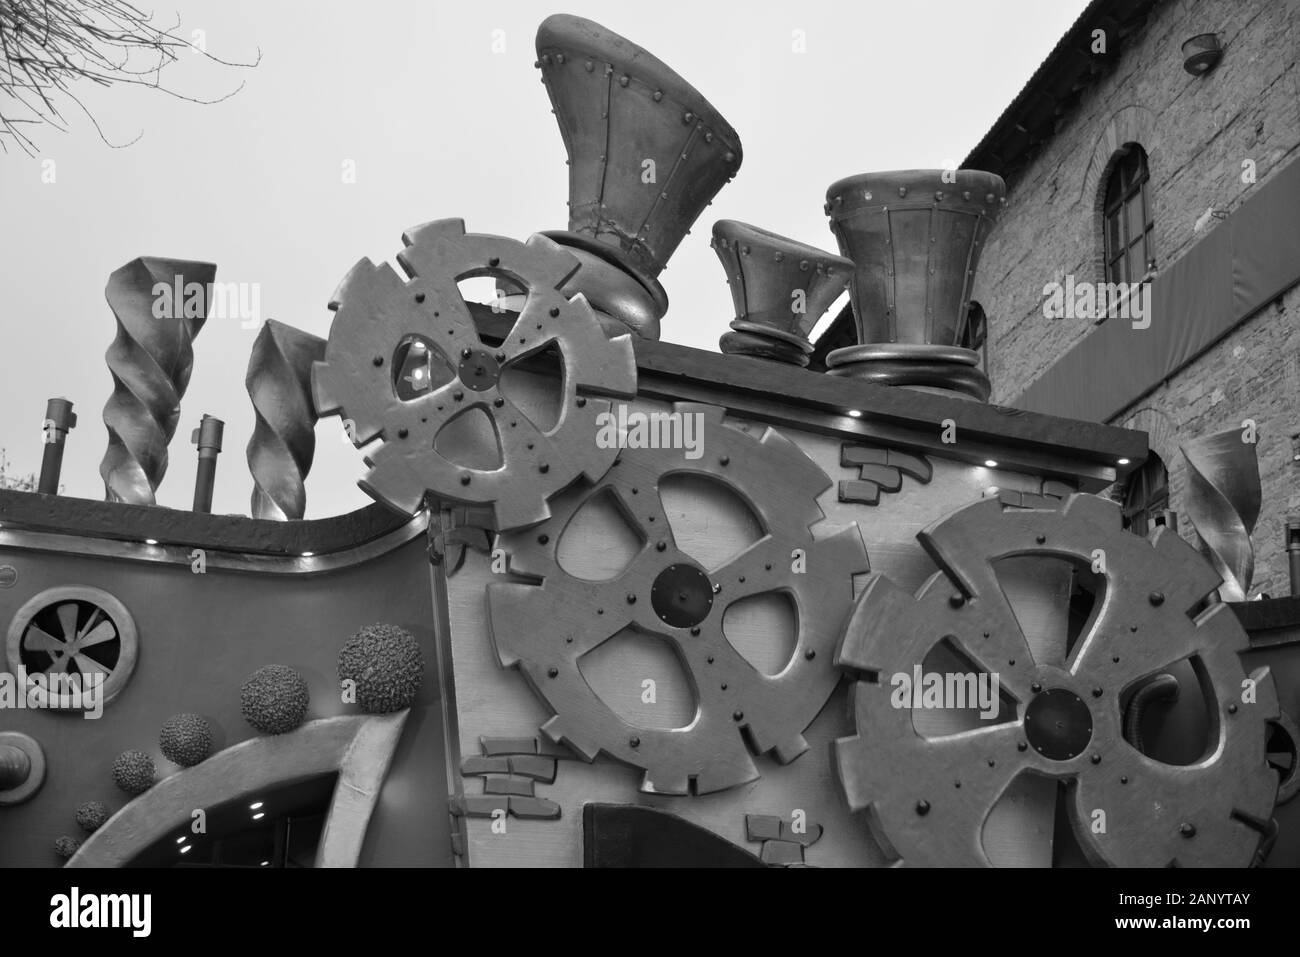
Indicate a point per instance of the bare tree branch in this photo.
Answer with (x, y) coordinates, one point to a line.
(48, 45)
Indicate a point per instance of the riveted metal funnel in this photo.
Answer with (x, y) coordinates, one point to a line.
(916, 238)
(647, 152)
(780, 288)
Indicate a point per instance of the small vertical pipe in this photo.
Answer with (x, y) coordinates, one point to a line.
(59, 421)
(208, 438)
(1293, 551)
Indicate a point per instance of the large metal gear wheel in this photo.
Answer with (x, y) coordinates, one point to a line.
(544, 629)
(378, 314)
(928, 797)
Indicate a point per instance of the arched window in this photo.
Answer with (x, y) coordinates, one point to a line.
(1146, 496)
(1127, 218)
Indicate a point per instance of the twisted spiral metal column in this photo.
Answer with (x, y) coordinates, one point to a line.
(150, 360)
(284, 438)
(1223, 502)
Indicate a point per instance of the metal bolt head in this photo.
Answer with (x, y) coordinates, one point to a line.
(923, 807)
(1157, 598)
(1187, 830)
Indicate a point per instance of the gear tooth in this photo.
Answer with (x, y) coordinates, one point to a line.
(360, 274)
(561, 264)
(504, 640)
(322, 395)
(620, 369)
(878, 611)
(1195, 578)
(1218, 628)
(847, 764)
(810, 475)
(558, 730)
(432, 231)
(789, 748)
(846, 544)
(400, 497)
(676, 785)
(1093, 509)
(718, 775)
(510, 513)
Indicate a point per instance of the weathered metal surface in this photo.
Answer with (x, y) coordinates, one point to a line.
(283, 443)
(929, 797)
(544, 629)
(916, 237)
(647, 152)
(780, 288)
(150, 361)
(1223, 502)
(379, 317)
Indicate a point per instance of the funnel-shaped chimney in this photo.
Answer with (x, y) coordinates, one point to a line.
(916, 238)
(780, 288)
(647, 152)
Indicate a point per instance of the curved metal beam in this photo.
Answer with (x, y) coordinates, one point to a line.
(358, 747)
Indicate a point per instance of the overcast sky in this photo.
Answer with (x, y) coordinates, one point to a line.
(440, 122)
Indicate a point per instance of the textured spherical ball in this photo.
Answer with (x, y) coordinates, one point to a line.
(274, 700)
(387, 665)
(66, 846)
(91, 815)
(185, 739)
(133, 772)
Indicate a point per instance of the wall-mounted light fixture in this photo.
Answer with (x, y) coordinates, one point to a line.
(1202, 53)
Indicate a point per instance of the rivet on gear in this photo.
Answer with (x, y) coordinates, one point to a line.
(740, 711)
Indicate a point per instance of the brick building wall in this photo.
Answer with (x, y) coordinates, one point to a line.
(1197, 132)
